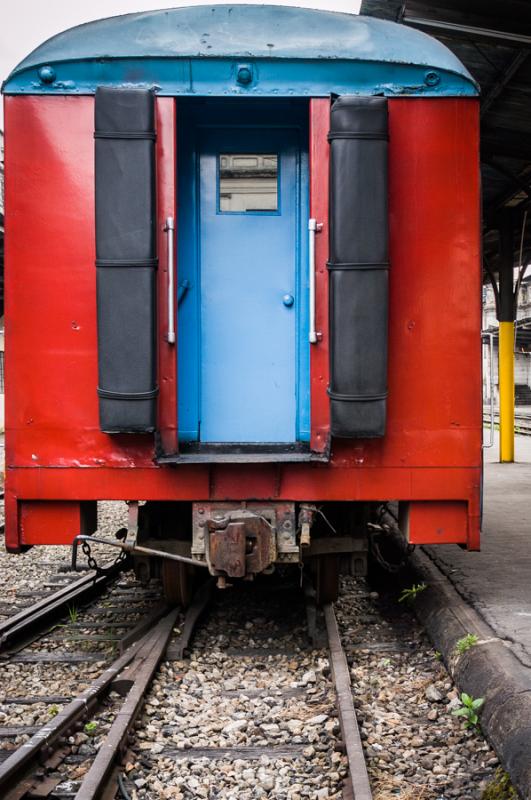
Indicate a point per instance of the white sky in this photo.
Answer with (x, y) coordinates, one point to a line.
(24, 24)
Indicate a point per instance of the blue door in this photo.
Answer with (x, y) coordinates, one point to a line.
(251, 355)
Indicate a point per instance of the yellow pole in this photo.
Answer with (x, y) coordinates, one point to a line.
(506, 384)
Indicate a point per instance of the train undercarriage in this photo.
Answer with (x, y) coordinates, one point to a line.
(181, 542)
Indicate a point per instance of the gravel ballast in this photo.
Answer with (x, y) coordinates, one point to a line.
(223, 698)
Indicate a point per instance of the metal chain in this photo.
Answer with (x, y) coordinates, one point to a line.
(91, 561)
(93, 564)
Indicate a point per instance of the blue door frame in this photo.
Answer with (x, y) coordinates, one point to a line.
(243, 356)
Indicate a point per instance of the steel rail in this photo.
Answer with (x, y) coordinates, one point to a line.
(358, 776)
(22, 624)
(140, 672)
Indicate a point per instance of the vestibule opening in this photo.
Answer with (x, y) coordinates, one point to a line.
(242, 253)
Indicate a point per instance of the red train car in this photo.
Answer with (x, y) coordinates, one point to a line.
(243, 286)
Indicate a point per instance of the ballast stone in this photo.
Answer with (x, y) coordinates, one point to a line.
(318, 720)
(237, 725)
(433, 694)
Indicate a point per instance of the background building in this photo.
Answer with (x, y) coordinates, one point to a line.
(522, 349)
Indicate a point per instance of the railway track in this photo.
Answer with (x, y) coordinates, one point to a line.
(24, 772)
(68, 631)
(357, 784)
(259, 702)
(40, 767)
(24, 626)
(116, 660)
(522, 423)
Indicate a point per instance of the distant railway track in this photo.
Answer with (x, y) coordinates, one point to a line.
(522, 423)
(26, 625)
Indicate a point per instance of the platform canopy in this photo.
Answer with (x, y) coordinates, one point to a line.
(493, 40)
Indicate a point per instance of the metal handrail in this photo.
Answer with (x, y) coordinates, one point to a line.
(490, 337)
(170, 228)
(312, 228)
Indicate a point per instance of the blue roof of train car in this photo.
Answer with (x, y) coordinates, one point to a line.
(200, 50)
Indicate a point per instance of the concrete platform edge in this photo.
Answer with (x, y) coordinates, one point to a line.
(489, 669)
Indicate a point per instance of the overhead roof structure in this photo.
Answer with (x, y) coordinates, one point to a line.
(493, 40)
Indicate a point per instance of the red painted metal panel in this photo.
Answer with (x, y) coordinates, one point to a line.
(432, 448)
(319, 365)
(435, 301)
(435, 284)
(11, 520)
(435, 523)
(285, 483)
(51, 344)
(166, 207)
(252, 481)
(55, 522)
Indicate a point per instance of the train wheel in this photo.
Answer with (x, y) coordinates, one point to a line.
(327, 579)
(177, 582)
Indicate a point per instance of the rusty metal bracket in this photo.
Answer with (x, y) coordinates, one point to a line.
(306, 519)
(132, 523)
(240, 544)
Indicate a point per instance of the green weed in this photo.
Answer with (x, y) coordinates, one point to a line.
(91, 728)
(410, 595)
(468, 710)
(466, 643)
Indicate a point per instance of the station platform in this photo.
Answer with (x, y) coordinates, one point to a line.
(488, 595)
(497, 580)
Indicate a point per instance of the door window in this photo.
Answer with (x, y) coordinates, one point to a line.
(248, 183)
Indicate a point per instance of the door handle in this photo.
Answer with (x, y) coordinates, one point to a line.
(288, 300)
(170, 228)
